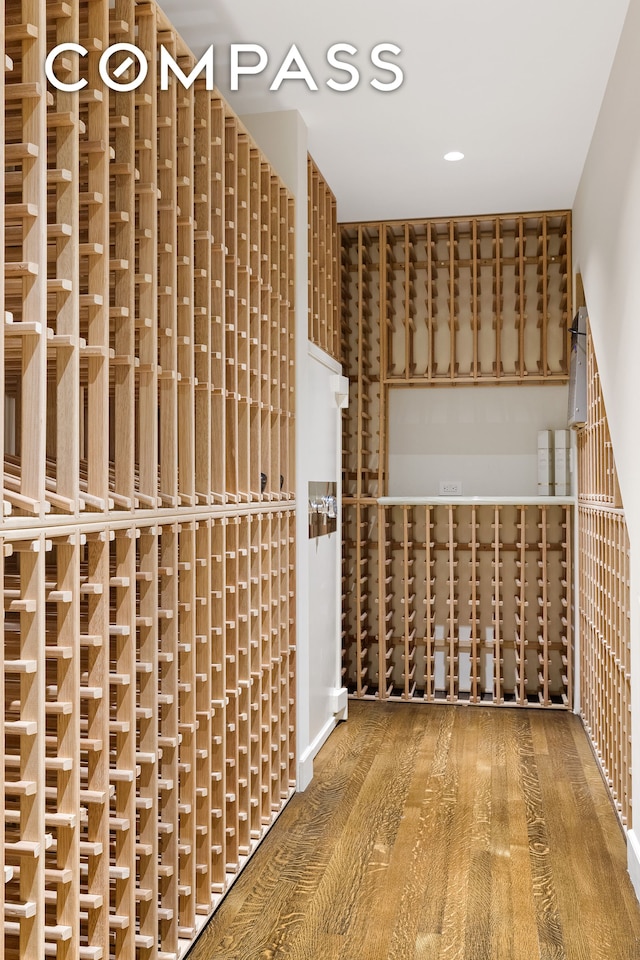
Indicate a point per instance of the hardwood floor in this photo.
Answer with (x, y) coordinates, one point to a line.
(439, 833)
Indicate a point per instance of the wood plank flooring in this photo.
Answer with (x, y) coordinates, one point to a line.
(439, 833)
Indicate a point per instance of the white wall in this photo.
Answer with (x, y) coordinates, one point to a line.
(606, 240)
(283, 139)
(320, 442)
(484, 437)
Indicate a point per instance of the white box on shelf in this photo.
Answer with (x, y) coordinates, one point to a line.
(545, 462)
(562, 454)
(545, 439)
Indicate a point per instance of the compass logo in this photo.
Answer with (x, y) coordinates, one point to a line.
(245, 60)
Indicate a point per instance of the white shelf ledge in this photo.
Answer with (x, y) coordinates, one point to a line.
(476, 501)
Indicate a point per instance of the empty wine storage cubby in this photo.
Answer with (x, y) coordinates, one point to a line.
(148, 534)
(604, 598)
(323, 253)
(460, 602)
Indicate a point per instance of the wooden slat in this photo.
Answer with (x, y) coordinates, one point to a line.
(146, 143)
(167, 271)
(186, 656)
(168, 736)
(147, 730)
(122, 275)
(185, 295)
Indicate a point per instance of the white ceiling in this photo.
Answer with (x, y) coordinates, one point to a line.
(514, 84)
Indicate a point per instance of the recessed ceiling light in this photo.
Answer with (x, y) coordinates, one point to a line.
(454, 155)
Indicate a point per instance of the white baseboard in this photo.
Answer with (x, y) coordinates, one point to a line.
(633, 860)
(305, 763)
(305, 771)
(339, 700)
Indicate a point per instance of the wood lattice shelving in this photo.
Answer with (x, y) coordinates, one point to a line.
(604, 598)
(167, 244)
(454, 602)
(363, 466)
(459, 602)
(148, 538)
(463, 300)
(323, 254)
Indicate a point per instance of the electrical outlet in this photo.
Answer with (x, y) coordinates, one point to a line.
(451, 488)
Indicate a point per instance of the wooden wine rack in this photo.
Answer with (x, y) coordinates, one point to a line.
(364, 421)
(447, 302)
(324, 290)
(463, 300)
(604, 598)
(598, 478)
(454, 602)
(148, 533)
(167, 242)
(459, 602)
